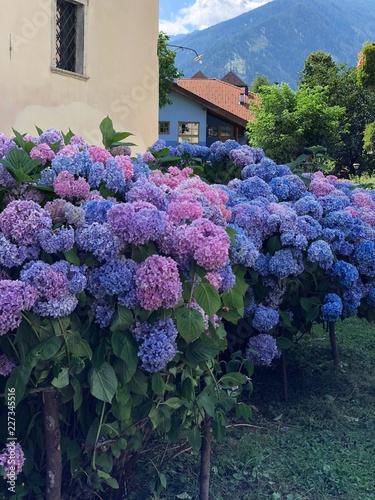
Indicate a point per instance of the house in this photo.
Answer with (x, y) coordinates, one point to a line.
(70, 63)
(206, 110)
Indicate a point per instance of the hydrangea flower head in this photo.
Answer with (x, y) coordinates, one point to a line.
(158, 283)
(21, 221)
(12, 459)
(262, 349)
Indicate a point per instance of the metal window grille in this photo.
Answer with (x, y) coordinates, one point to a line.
(66, 35)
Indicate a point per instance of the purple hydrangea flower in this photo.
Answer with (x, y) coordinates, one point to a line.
(21, 221)
(50, 136)
(136, 222)
(6, 365)
(285, 263)
(15, 297)
(5, 146)
(12, 459)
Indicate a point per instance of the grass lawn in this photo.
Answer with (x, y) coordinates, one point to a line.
(318, 445)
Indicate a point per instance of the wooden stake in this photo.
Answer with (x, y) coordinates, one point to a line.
(52, 436)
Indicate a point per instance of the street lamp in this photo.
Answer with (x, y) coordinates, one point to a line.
(356, 167)
(198, 57)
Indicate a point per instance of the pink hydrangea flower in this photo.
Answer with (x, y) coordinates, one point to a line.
(172, 178)
(69, 150)
(215, 279)
(362, 199)
(66, 186)
(185, 209)
(43, 152)
(158, 283)
(321, 187)
(124, 162)
(99, 154)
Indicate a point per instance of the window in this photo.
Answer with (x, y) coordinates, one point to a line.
(225, 131)
(163, 127)
(70, 35)
(212, 131)
(188, 132)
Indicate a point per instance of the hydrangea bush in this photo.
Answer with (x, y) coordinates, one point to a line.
(112, 279)
(121, 277)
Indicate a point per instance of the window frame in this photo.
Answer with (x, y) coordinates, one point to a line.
(188, 136)
(169, 127)
(81, 41)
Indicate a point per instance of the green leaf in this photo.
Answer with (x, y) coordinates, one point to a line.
(190, 323)
(199, 351)
(174, 403)
(231, 316)
(233, 299)
(243, 410)
(19, 164)
(283, 343)
(16, 383)
(122, 320)
(195, 438)
(62, 380)
(208, 298)
(286, 319)
(72, 257)
(78, 346)
(48, 348)
(274, 244)
(103, 382)
(77, 399)
(309, 303)
(68, 136)
(139, 383)
(219, 431)
(207, 404)
(126, 348)
(233, 379)
(158, 384)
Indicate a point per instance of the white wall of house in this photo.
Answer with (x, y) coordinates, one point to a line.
(119, 78)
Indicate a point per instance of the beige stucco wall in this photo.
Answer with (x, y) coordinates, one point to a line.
(121, 63)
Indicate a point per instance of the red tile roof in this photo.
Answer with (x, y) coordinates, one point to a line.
(218, 95)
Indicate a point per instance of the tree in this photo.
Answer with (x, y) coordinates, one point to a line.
(359, 103)
(167, 69)
(259, 82)
(319, 69)
(287, 122)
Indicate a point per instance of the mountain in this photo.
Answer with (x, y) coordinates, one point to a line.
(276, 38)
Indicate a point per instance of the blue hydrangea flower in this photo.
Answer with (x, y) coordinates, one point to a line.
(320, 252)
(364, 257)
(103, 312)
(332, 308)
(262, 349)
(254, 187)
(265, 318)
(96, 210)
(96, 175)
(58, 240)
(47, 176)
(61, 163)
(309, 205)
(99, 240)
(285, 263)
(114, 176)
(158, 344)
(112, 278)
(288, 187)
(345, 272)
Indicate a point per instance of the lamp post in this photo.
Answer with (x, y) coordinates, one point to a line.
(356, 167)
(198, 57)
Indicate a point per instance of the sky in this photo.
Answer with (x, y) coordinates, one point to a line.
(183, 16)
